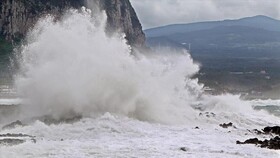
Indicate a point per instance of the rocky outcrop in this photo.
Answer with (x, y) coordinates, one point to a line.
(10, 142)
(121, 15)
(273, 130)
(18, 16)
(273, 143)
(227, 125)
(10, 139)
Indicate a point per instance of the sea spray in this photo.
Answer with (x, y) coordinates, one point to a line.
(70, 67)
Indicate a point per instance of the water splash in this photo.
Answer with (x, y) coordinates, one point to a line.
(70, 67)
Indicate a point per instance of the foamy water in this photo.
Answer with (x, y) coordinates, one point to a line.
(116, 136)
(144, 106)
(11, 101)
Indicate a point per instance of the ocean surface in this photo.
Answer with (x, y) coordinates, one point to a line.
(111, 135)
(80, 93)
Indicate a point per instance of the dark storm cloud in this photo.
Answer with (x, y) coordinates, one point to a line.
(162, 12)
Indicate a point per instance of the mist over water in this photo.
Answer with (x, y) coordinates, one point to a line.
(70, 67)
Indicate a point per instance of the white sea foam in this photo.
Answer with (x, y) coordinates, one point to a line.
(114, 136)
(12, 101)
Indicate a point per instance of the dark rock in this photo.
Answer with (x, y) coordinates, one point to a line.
(210, 114)
(258, 132)
(226, 125)
(122, 16)
(15, 139)
(15, 135)
(207, 114)
(196, 128)
(252, 141)
(273, 143)
(277, 138)
(13, 125)
(255, 141)
(274, 130)
(183, 149)
(264, 143)
(11, 141)
(213, 114)
(50, 120)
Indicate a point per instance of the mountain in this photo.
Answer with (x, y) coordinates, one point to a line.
(260, 21)
(257, 36)
(236, 56)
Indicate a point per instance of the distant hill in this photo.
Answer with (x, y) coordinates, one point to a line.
(260, 21)
(236, 56)
(257, 36)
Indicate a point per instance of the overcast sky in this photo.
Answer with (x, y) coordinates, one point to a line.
(154, 13)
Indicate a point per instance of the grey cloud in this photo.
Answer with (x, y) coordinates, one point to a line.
(154, 13)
